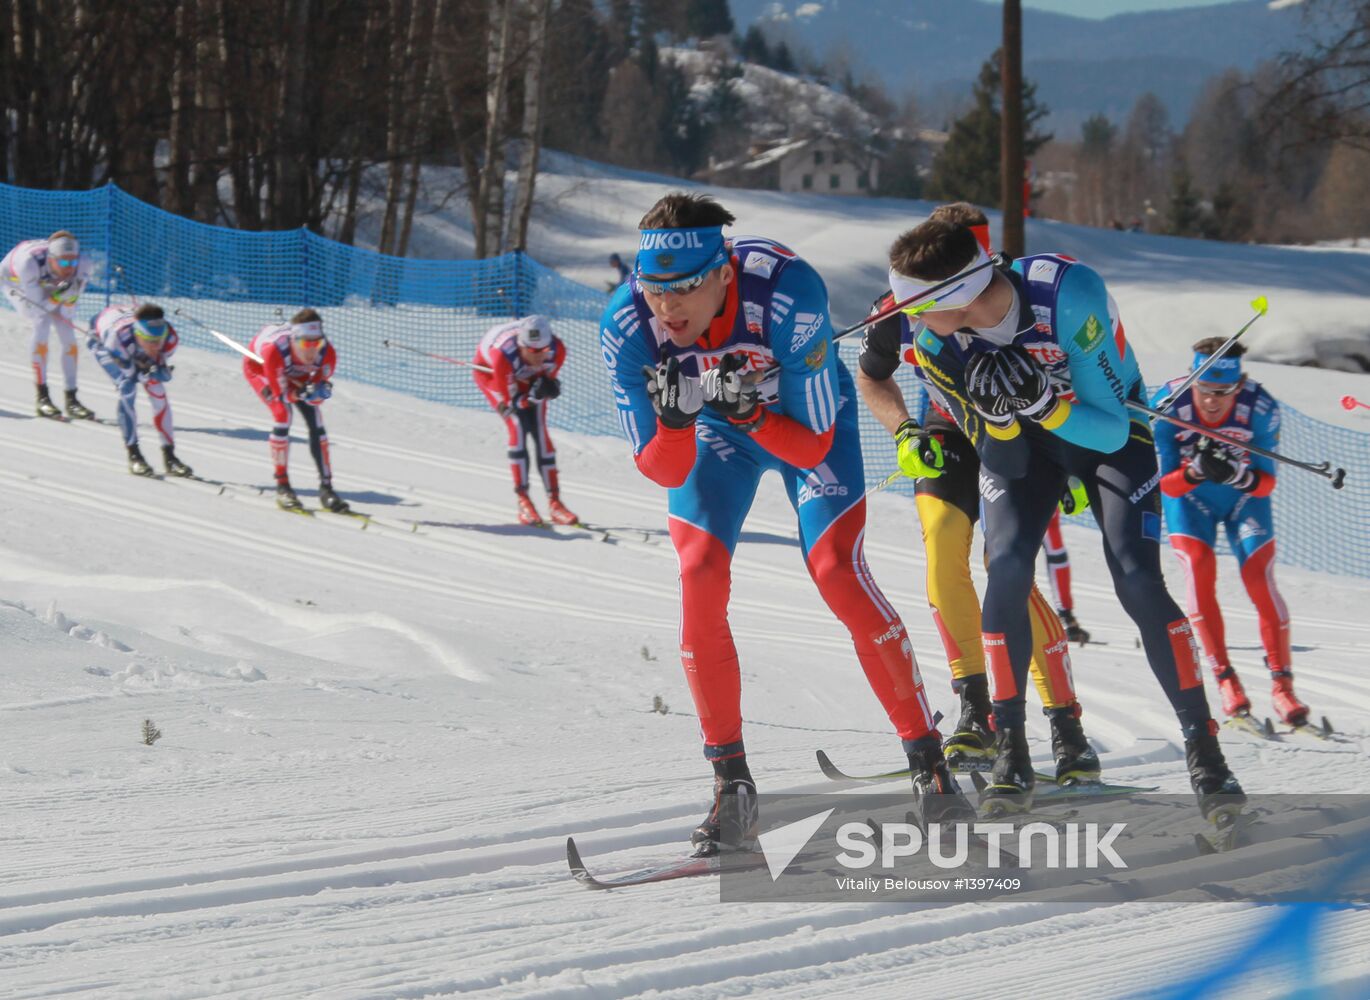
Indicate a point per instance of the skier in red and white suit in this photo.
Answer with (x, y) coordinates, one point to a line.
(517, 365)
(297, 363)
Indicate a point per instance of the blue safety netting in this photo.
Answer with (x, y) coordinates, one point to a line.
(237, 281)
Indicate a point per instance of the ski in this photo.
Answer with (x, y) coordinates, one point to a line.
(1046, 789)
(1244, 723)
(687, 867)
(1321, 731)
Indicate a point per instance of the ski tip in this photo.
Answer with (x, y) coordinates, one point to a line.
(1327, 729)
(826, 765)
(1268, 728)
(573, 859)
(978, 781)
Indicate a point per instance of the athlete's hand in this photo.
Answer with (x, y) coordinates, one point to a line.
(544, 387)
(1218, 463)
(728, 392)
(987, 390)
(1074, 498)
(919, 453)
(676, 398)
(1030, 391)
(162, 373)
(316, 392)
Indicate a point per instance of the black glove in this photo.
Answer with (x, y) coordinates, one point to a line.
(1218, 463)
(728, 392)
(544, 387)
(1030, 391)
(987, 390)
(677, 398)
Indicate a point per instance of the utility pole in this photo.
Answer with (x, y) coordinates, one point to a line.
(1011, 165)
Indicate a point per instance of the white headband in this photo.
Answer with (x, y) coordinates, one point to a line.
(956, 295)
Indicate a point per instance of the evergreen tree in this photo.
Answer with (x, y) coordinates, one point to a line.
(708, 18)
(1186, 216)
(781, 59)
(753, 48)
(967, 168)
(1096, 136)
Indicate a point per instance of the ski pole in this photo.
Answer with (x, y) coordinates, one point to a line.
(1324, 469)
(56, 314)
(892, 478)
(222, 336)
(1351, 402)
(439, 357)
(899, 307)
(1260, 305)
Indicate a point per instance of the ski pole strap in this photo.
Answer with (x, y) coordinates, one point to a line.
(1324, 469)
(1261, 306)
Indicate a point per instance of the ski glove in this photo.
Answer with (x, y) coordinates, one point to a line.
(162, 373)
(919, 453)
(1218, 463)
(676, 398)
(544, 387)
(987, 390)
(729, 393)
(1074, 498)
(1030, 390)
(316, 392)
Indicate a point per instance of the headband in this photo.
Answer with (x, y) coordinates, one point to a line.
(680, 251)
(1226, 370)
(957, 295)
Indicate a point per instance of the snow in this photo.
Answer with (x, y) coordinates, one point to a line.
(375, 742)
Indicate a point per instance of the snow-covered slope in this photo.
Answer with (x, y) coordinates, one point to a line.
(1172, 291)
(376, 741)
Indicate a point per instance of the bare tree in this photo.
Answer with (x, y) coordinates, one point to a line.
(537, 12)
(488, 216)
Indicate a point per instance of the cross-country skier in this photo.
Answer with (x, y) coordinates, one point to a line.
(1028, 361)
(523, 358)
(43, 279)
(1207, 484)
(297, 364)
(134, 347)
(946, 468)
(721, 358)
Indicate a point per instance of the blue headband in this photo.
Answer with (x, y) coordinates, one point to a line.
(1226, 369)
(681, 251)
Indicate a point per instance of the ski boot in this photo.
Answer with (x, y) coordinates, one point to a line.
(528, 514)
(1012, 780)
(936, 797)
(1216, 787)
(560, 513)
(732, 820)
(1235, 701)
(1074, 632)
(174, 466)
(1287, 705)
(45, 407)
(330, 501)
(75, 409)
(137, 464)
(1076, 761)
(286, 498)
(971, 746)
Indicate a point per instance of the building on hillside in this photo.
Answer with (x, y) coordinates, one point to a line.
(820, 165)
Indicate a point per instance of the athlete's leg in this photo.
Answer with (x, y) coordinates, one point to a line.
(706, 515)
(1058, 564)
(1193, 530)
(318, 441)
(161, 413)
(1050, 664)
(1124, 492)
(281, 416)
(66, 335)
(1251, 530)
(126, 386)
(38, 348)
(830, 502)
(546, 451)
(1016, 512)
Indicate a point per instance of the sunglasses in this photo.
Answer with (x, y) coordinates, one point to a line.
(1208, 389)
(67, 261)
(679, 286)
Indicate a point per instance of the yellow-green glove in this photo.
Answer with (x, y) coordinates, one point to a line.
(919, 453)
(1074, 499)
